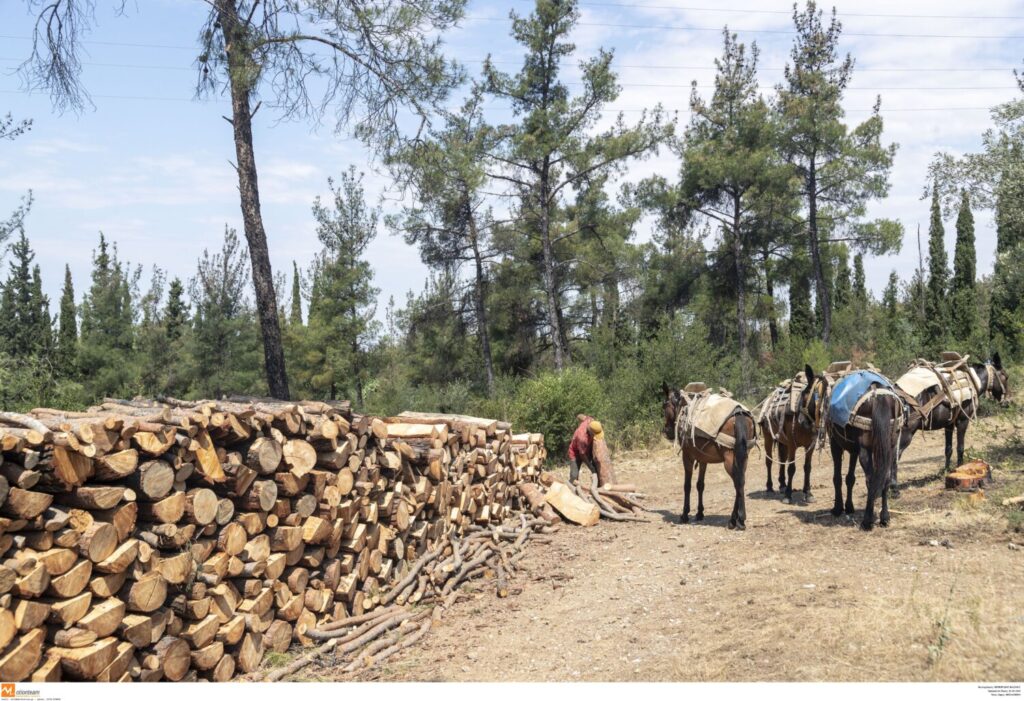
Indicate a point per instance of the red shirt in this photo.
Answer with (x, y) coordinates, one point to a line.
(582, 443)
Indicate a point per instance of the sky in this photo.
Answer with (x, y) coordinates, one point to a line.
(150, 166)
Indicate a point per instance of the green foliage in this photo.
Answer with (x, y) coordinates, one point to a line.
(550, 402)
(964, 300)
(66, 358)
(937, 302)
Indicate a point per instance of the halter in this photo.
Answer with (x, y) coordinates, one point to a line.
(993, 375)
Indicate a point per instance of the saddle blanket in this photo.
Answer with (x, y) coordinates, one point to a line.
(707, 413)
(961, 382)
(847, 392)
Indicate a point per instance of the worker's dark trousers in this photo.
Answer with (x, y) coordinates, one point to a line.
(574, 469)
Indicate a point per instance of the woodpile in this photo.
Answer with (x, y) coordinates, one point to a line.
(177, 540)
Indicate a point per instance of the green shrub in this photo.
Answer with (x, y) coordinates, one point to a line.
(550, 402)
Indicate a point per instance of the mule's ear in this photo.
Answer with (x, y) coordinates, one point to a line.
(810, 374)
(665, 389)
(996, 362)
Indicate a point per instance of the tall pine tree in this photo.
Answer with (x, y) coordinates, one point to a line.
(108, 332)
(860, 288)
(295, 316)
(963, 295)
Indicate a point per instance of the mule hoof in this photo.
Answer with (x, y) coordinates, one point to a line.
(894, 494)
(699, 516)
(836, 511)
(850, 510)
(684, 519)
(787, 500)
(732, 526)
(866, 525)
(883, 522)
(769, 489)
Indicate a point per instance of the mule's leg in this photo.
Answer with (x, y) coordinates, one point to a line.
(769, 447)
(782, 467)
(688, 469)
(791, 469)
(851, 479)
(808, 454)
(701, 469)
(738, 518)
(949, 446)
(961, 432)
(883, 515)
(837, 475)
(869, 507)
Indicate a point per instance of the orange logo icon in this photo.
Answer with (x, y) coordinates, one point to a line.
(7, 691)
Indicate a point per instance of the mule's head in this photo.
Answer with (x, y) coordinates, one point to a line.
(670, 410)
(1001, 382)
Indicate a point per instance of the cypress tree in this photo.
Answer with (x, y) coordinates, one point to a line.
(39, 311)
(936, 304)
(801, 317)
(860, 289)
(963, 295)
(67, 328)
(24, 314)
(296, 315)
(841, 293)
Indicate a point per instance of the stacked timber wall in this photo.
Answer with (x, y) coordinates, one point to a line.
(184, 540)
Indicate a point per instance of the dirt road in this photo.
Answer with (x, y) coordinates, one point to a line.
(800, 595)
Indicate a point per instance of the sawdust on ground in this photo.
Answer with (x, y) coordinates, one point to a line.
(799, 596)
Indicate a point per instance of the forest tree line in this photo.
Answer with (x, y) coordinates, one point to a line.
(540, 300)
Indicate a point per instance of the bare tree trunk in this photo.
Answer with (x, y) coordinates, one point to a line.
(480, 295)
(252, 219)
(741, 292)
(824, 303)
(550, 284)
(769, 288)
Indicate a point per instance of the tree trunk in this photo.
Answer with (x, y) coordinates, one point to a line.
(741, 293)
(769, 288)
(824, 303)
(550, 284)
(262, 275)
(480, 298)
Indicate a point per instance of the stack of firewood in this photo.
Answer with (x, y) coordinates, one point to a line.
(177, 540)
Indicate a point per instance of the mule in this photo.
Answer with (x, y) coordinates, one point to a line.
(994, 380)
(792, 430)
(875, 447)
(701, 451)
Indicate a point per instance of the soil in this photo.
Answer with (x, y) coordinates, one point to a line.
(799, 596)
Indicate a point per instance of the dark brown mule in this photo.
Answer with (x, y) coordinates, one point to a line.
(700, 450)
(994, 381)
(793, 430)
(877, 449)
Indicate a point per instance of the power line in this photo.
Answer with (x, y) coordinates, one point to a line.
(622, 84)
(691, 28)
(497, 108)
(788, 13)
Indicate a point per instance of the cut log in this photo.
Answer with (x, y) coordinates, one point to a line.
(174, 657)
(104, 618)
(168, 510)
(116, 466)
(72, 582)
(98, 541)
(22, 656)
(153, 479)
(95, 498)
(67, 612)
(571, 507)
(264, 455)
(86, 662)
(299, 456)
(145, 594)
(22, 503)
(201, 506)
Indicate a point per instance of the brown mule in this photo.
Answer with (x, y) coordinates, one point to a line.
(792, 430)
(699, 450)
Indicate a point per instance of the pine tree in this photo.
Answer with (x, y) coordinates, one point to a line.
(295, 318)
(890, 303)
(107, 334)
(226, 350)
(936, 302)
(25, 330)
(962, 294)
(860, 288)
(341, 326)
(841, 169)
(67, 328)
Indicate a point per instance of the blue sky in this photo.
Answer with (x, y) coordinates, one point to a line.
(150, 167)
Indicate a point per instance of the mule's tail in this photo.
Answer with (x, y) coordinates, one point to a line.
(743, 438)
(883, 439)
